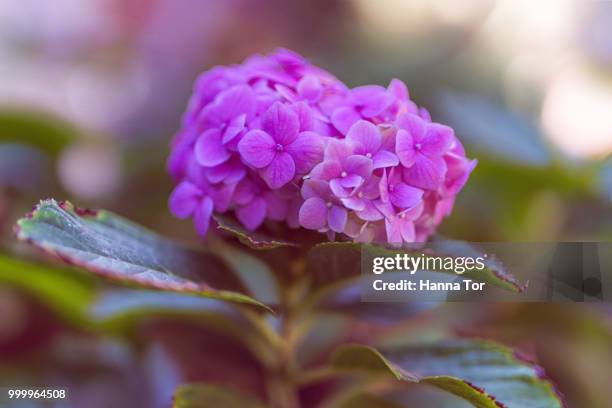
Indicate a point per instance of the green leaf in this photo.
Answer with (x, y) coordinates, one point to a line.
(122, 307)
(255, 240)
(201, 395)
(485, 374)
(47, 133)
(62, 290)
(114, 248)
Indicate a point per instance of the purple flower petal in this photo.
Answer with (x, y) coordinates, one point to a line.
(359, 165)
(201, 217)
(257, 148)
(253, 214)
(280, 171)
(351, 181)
(232, 171)
(366, 135)
(281, 123)
(306, 150)
(245, 192)
(316, 188)
(404, 147)
(407, 230)
(238, 100)
(276, 207)
(437, 140)
(326, 170)
(405, 196)
(234, 128)
(413, 124)
(184, 199)
(398, 89)
(313, 214)
(339, 191)
(426, 173)
(354, 203)
(384, 159)
(209, 149)
(336, 218)
(337, 151)
(343, 118)
(306, 117)
(394, 234)
(373, 99)
(309, 88)
(369, 212)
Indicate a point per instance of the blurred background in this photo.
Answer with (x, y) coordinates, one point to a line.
(92, 91)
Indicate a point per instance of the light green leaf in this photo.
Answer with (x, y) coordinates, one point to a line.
(485, 374)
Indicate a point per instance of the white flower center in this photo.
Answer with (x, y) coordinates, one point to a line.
(329, 204)
(343, 174)
(418, 146)
(369, 155)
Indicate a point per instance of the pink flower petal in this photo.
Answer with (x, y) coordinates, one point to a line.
(281, 123)
(257, 148)
(426, 173)
(343, 118)
(184, 199)
(306, 150)
(209, 149)
(405, 196)
(369, 212)
(359, 165)
(316, 188)
(394, 234)
(413, 124)
(336, 218)
(407, 230)
(339, 191)
(232, 171)
(438, 140)
(398, 89)
(253, 214)
(234, 128)
(313, 214)
(351, 181)
(384, 159)
(354, 203)
(280, 171)
(366, 135)
(404, 147)
(309, 88)
(201, 217)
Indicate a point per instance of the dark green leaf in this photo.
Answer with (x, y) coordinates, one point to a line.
(210, 395)
(255, 240)
(115, 248)
(483, 373)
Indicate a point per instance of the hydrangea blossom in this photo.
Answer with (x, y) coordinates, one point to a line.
(276, 139)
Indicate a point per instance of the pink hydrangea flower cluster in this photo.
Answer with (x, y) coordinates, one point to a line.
(279, 139)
